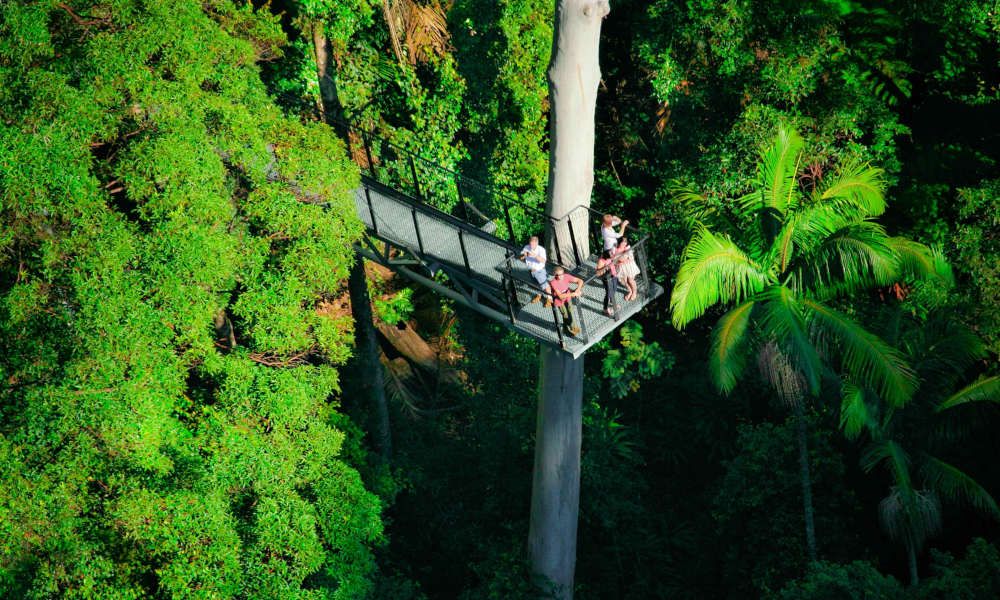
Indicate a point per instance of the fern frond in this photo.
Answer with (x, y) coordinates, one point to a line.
(955, 484)
(918, 261)
(728, 357)
(713, 271)
(864, 355)
(854, 258)
(986, 389)
(778, 164)
(855, 414)
(695, 207)
(856, 189)
(783, 322)
(804, 231)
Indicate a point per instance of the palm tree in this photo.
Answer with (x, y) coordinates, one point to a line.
(775, 258)
(902, 438)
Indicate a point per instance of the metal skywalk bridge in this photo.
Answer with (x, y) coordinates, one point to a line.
(462, 239)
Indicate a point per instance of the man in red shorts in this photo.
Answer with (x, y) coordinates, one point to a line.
(560, 284)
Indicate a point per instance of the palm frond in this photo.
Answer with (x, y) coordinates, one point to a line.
(864, 355)
(897, 462)
(804, 231)
(713, 270)
(987, 389)
(783, 322)
(856, 188)
(728, 358)
(855, 413)
(942, 350)
(854, 258)
(955, 484)
(918, 261)
(695, 207)
(778, 164)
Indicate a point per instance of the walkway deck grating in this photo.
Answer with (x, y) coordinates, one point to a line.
(474, 260)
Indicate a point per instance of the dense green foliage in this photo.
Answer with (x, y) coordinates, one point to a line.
(180, 412)
(169, 422)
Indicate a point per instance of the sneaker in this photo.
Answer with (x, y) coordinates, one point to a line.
(548, 303)
(609, 311)
(574, 330)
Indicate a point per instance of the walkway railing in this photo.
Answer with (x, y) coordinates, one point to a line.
(474, 230)
(588, 310)
(483, 206)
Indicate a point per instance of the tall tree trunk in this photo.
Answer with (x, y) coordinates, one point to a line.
(911, 555)
(370, 376)
(574, 75)
(804, 479)
(555, 490)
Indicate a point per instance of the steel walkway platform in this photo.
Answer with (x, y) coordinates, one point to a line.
(421, 241)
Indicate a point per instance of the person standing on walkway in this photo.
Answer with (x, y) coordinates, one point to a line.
(561, 282)
(627, 269)
(608, 233)
(607, 269)
(534, 256)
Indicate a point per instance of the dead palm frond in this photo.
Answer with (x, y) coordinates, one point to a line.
(421, 28)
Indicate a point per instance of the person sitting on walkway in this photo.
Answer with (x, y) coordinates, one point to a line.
(564, 297)
(608, 231)
(627, 269)
(534, 256)
(607, 269)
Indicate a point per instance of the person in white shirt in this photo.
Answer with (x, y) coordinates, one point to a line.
(608, 232)
(534, 256)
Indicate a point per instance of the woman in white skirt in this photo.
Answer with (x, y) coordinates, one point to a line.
(627, 269)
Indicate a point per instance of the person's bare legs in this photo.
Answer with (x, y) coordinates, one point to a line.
(633, 290)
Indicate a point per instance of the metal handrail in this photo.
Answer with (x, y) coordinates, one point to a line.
(402, 162)
(465, 183)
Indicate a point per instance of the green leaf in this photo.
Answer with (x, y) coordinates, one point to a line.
(778, 164)
(957, 485)
(987, 389)
(863, 354)
(856, 257)
(727, 358)
(783, 322)
(857, 189)
(918, 261)
(713, 271)
(855, 414)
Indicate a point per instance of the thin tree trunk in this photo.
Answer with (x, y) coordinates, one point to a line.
(574, 75)
(371, 378)
(555, 491)
(329, 103)
(911, 555)
(805, 479)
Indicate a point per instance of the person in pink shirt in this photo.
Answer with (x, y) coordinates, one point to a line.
(560, 285)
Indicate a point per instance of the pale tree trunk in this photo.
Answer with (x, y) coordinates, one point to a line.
(574, 75)
(371, 378)
(805, 480)
(555, 489)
